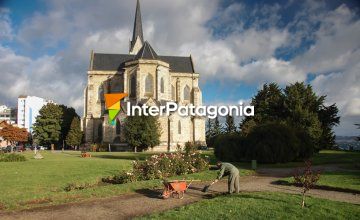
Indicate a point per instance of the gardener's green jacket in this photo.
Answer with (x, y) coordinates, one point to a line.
(227, 169)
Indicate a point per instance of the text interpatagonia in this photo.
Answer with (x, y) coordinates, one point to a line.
(210, 111)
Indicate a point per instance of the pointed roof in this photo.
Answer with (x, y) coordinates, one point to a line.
(146, 52)
(137, 32)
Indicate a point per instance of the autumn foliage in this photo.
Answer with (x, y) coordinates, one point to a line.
(14, 134)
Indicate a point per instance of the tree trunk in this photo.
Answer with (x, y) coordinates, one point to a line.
(303, 200)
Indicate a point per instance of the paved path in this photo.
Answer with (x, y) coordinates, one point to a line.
(147, 201)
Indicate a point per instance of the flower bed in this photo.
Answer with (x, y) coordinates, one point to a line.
(161, 167)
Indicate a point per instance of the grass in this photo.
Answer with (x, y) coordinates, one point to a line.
(41, 182)
(35, 183)
(337, 179)
(351, 159)
(262, 206)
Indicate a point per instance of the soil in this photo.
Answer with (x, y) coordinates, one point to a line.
(144, 202)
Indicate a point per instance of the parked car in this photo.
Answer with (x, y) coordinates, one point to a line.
(7, 149)
(42, 148)
(19, 148)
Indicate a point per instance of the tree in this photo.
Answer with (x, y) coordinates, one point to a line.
(47, 128)
(75, 134)
(14, 134)
(209, 128)
(307, 179)
(299, 107)
(68, 115)
(229, 124)
(268, 105)
(217, 127)
(142, 132)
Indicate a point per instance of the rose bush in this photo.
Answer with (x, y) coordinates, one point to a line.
(161, 166)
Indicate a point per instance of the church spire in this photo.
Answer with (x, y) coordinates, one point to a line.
(137, 32)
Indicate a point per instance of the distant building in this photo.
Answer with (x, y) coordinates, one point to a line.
(8, 114)
(28, 110)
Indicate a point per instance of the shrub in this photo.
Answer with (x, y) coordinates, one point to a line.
(160, 167)
(11, 157)
(230, 147)
(190, 147)
(272, 143)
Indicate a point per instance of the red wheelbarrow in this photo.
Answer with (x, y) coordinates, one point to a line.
(175, 188)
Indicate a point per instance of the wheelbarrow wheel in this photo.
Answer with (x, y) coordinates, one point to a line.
(180, 194)
(166, 194)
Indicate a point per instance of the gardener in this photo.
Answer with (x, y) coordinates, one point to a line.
(227, 169)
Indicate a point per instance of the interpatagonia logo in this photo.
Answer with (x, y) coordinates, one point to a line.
(112, 103)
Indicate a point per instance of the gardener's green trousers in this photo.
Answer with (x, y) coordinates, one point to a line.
(233, 182)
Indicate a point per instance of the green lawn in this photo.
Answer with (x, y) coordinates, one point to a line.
(337, 179)
(350, 159)
(41, 182)
(262, 206)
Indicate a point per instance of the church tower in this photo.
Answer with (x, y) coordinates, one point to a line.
(137, 39)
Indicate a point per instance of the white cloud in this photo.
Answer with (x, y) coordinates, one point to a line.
(180, 27)
(6, 31)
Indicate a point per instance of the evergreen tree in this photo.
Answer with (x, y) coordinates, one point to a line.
(328, 116)
(74, 135)
(209, 128)
(47, 129)
(217, 127)
(298, 106)
(229, 124)
(142, 132)
(67, 117)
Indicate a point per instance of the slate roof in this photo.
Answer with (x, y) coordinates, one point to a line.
(111, 62)
(146, 52)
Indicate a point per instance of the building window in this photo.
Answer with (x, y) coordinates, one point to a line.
(100, 133)
(133, 86)
(162, 85)
(101, 93)
(173, 93)
(187, 93)
(179, 127)
(118, 126)
(149, 84)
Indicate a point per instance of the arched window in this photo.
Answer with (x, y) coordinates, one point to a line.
(179, 127)
(162, 85)
(101, 93)
(100, 133)
(101, 99)
(116, 86)
(149, 84)
(133, 86)
(187, 93)
(118, 126)
(173, 93)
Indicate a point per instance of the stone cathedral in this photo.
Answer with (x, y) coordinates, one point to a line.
(149, 79)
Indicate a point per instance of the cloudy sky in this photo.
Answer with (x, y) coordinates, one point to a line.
(237, 46)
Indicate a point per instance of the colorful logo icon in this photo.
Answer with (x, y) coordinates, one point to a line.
(112, 102)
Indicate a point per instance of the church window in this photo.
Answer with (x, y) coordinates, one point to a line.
(101, 93)
(149, 84)
(100, 133)
(133, 86)
(187, 93)
(118, 126)
(173, 93)
(162, 85)
(179, 127)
